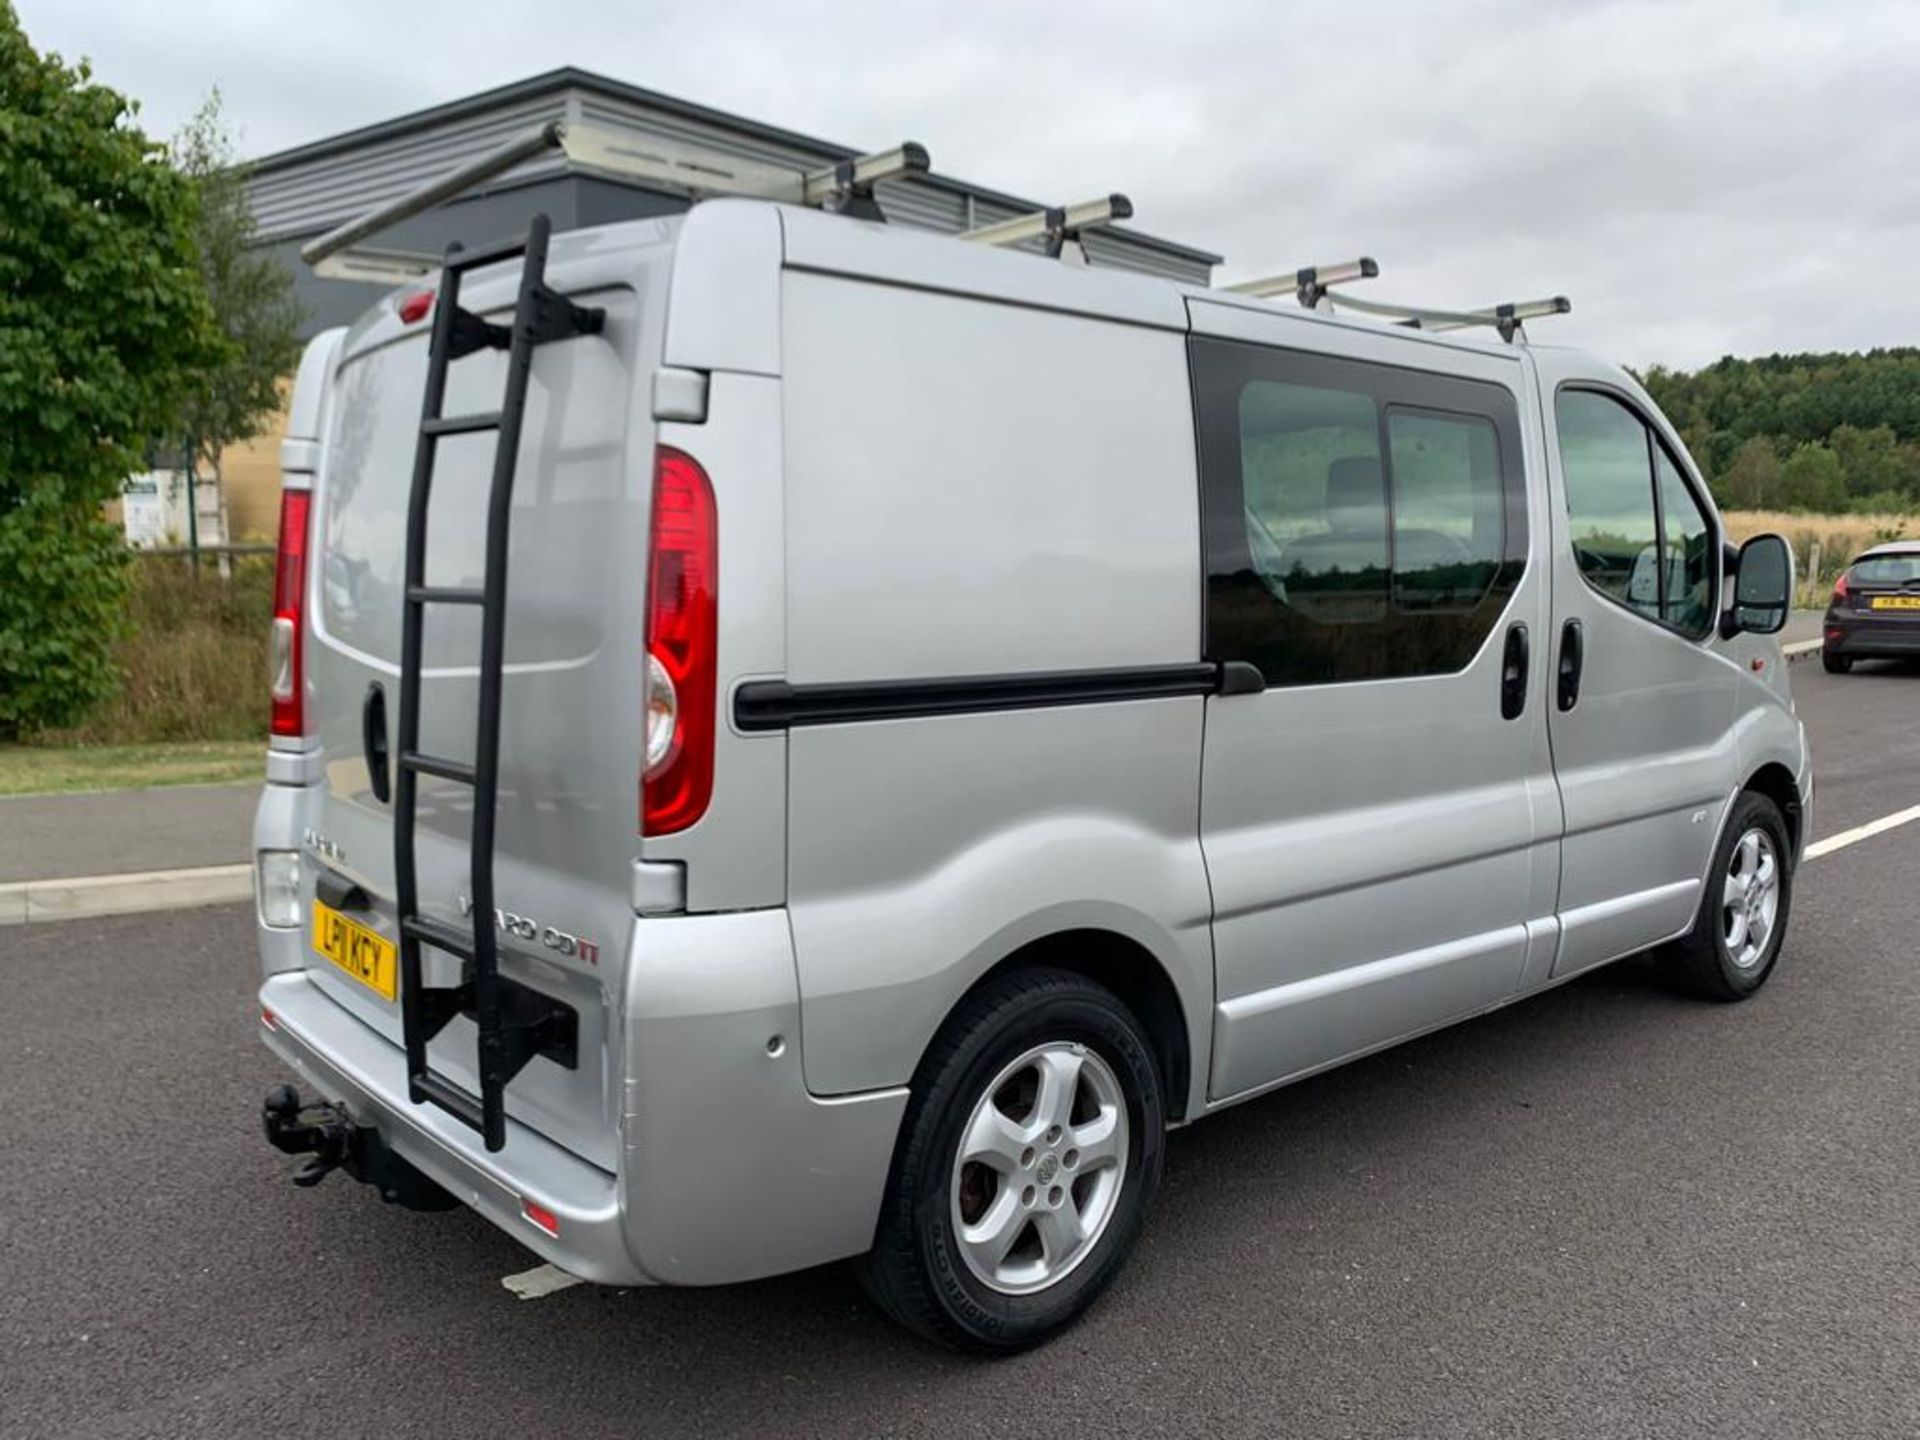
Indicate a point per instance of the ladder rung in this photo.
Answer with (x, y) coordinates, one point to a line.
(461, 424)
(438, 934)
(446, 595)
(449, 1097)
(437, 765)
(487, 254)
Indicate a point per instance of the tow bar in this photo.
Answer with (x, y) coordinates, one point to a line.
(332, 1140)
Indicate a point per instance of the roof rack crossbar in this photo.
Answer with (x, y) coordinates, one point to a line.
(1310, 283)
(1505, 318)
(844, 185)
(1057, 225)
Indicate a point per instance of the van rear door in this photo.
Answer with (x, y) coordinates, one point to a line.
(571, 699)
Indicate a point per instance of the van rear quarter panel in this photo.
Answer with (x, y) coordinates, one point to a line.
(977, 488)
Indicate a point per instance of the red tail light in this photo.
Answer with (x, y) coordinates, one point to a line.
(1840, 590)
(682, 641)
(416, 306)
(289, 591)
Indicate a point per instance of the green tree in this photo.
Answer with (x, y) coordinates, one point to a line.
(254, 309)
(1810, 480)
(104, 323)
(1865, 408)
(1752, 481)
(1871, 460)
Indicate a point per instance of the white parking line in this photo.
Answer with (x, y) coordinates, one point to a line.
(1863, 832)
(541, 1280)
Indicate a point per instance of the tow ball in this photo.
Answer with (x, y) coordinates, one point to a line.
(332, 1140)
(323, 1133)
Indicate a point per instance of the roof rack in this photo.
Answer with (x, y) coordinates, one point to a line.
(846, 185)
(377, 267)
(1309, 283)
(1506, 318)
(1058, 225)
(1311, 286)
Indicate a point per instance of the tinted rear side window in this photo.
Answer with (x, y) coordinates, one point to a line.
(1362, 522)
(1449, 513)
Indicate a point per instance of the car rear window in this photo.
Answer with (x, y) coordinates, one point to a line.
(1887, 569)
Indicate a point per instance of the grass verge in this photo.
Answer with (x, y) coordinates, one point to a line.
(30, 769)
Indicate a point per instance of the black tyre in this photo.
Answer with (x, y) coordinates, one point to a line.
(1736, 937)
(1835, 664)
(1026, 1161)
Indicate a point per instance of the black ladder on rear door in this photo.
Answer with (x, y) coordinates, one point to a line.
(515, 1022)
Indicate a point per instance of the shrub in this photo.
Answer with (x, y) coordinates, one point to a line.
(193, 656)
(104, 324)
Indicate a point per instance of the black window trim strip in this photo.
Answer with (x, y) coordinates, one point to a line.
(763, 705)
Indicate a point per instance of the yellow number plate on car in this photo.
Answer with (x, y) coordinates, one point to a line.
(369, 958)
(1896, 602)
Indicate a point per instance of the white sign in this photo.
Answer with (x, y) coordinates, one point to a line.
(146, 505)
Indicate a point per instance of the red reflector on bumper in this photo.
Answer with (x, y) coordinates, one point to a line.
(542, 1218)
(268, 1019)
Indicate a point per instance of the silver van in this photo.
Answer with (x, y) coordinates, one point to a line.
(797, 739)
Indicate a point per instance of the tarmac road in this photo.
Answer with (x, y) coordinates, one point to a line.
(1605, 1212)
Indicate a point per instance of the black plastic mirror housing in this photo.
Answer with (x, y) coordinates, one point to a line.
(1762, 588)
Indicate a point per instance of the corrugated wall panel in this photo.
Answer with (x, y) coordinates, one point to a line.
(305, 198)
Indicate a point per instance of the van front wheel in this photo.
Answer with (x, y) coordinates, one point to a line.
(1736, 937)
(1026, 1160)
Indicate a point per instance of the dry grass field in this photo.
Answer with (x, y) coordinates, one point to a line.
(1838, 539)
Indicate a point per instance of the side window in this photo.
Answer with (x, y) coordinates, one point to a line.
(1603, 454)
(1316, 499)
(1638, 534)
(1362, 522)
(1687, 542)
(1448, 512)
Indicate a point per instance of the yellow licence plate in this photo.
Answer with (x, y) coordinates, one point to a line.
(369, 958)
(1896, 602)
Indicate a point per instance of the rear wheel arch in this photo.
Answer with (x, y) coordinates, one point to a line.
(1132, 972)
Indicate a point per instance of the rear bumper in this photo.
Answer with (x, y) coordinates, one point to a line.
(346, 1061)
(1869, 637)
(729, 1169)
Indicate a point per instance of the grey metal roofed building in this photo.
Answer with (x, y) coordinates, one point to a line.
(303, 192)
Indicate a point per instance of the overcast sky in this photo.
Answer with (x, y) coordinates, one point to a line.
(1731, 176)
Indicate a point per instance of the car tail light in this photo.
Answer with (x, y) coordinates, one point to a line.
(682, 640)
(1840, 589)
(289, 591)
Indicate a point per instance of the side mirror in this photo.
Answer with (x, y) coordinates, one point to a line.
(1762, 587)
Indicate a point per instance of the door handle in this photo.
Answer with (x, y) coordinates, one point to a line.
(1513, 673)
(1573, 654)
(373, 739)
